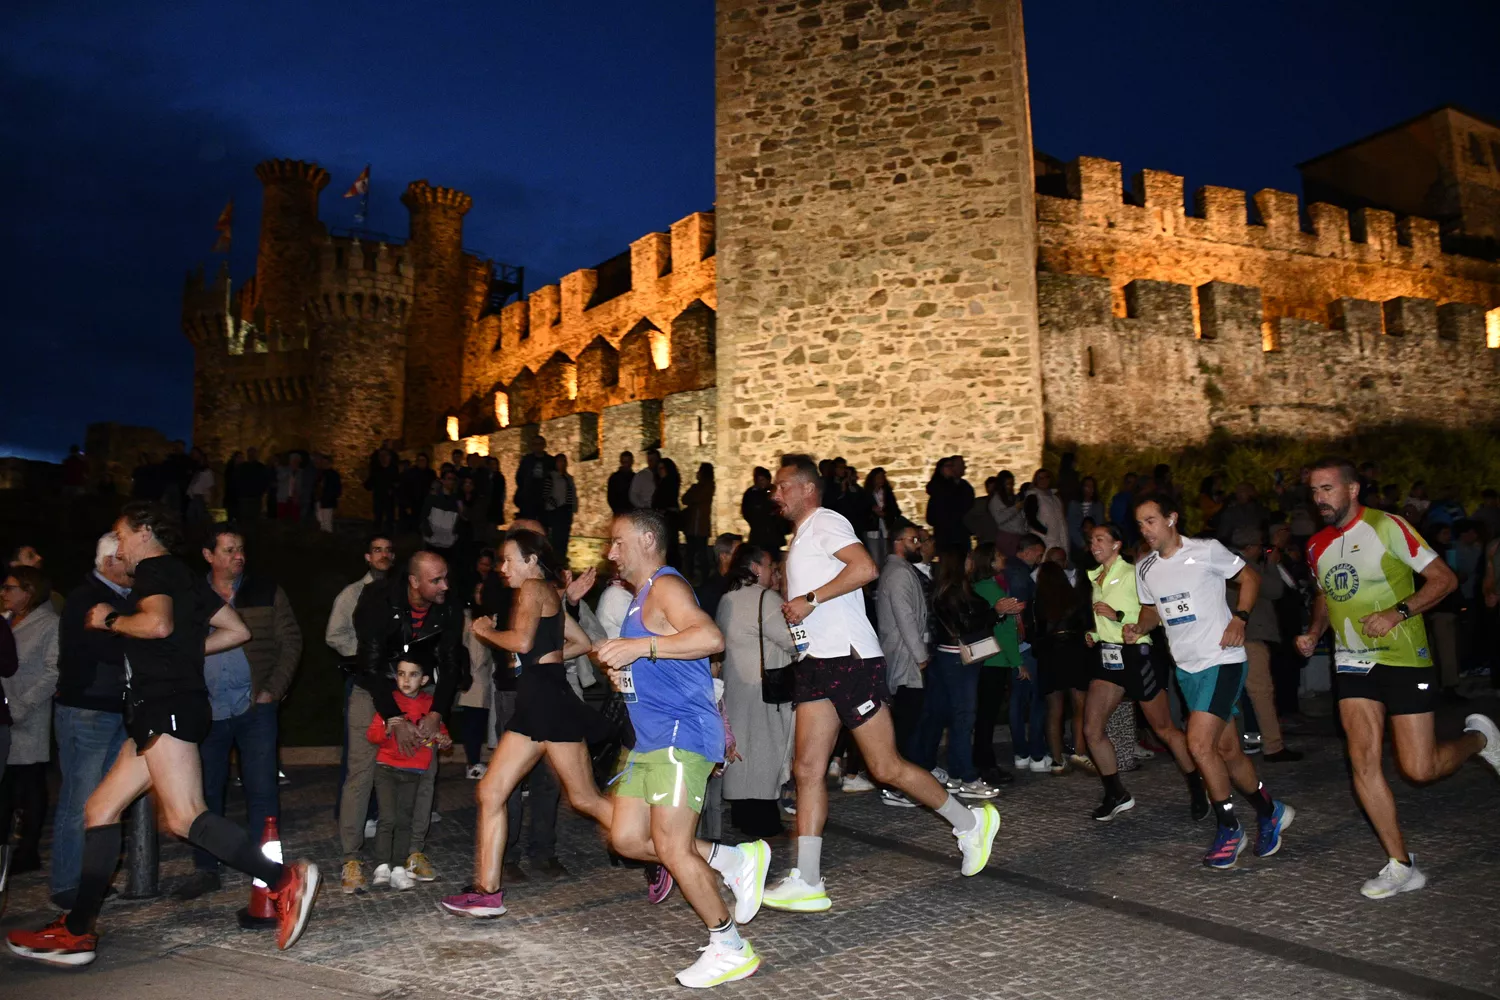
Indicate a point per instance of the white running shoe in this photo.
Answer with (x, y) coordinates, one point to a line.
(382, 875)
(977, 789)
(1043, 766)
(720, 963)
(944, 779)
(793, 895)
(1393, 878)
(975, 843)
(890, 797)
(402, 879)
(371, 826)
(1485, 726)
(857, 783)
(749, 883)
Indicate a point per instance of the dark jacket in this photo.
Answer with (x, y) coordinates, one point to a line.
(330, 487)
(90, 662)
(9, 664)
(531, 481)
(253, 479)
(618, 491)
(275, 646)
(962, 617)
(382, 624)
(948, 501)
(860, 510)
(768, 529)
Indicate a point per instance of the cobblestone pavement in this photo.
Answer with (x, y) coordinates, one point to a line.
(1068, 908)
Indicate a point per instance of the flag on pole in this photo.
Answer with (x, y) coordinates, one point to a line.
(361, 185)
(223, 226)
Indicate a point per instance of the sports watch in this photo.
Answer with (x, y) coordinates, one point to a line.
(1403, 610)
(1242, 614)
(811, 597)
(109, 621)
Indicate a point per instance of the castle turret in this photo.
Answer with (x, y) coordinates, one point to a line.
(290, 242)
(435, 334)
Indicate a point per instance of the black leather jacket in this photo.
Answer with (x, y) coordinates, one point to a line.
(383, 628)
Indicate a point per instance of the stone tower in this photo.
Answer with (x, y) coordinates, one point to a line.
(290, 238)
(435, 349)
(877, 237)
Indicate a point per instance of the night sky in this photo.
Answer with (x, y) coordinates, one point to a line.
(576, 128)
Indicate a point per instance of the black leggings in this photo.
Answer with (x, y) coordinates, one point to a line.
(476, 727)
(24, 790)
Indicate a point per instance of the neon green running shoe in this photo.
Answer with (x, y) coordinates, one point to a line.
(975, 843)
(720, 963)
(793, 895)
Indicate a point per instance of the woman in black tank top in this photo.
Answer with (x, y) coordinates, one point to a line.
(549, 717)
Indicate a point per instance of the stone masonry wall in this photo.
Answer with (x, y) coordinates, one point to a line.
(876, 236)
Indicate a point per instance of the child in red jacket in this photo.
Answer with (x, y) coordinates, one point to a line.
(397, 776)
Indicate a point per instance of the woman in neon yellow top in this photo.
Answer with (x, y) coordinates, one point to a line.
(1126, 671)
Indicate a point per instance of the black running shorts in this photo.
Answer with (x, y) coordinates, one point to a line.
(186, 717)
(857, 687)
(1130, 667)
(1402, 690)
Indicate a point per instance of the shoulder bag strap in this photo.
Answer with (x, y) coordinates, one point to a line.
(760, 631)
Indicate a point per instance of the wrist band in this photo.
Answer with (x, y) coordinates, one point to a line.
(653, 649)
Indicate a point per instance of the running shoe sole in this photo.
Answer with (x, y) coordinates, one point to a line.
(987, 794)
(807, 904)
(64, 959)
(759, 853)
(314, 881)
(990, 817)
(474, 912)
(1287, 815)
(1120, 807)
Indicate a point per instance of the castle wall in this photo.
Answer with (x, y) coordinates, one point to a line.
(439, 319)
(877, 236)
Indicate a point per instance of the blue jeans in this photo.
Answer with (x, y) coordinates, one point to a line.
(87, 742)
(1028, 705)
(254, 733)
(952, 692)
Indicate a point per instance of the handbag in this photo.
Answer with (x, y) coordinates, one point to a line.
(975, 647)
(776, 684)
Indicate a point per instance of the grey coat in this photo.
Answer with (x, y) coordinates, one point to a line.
(762, 733)
(901, 619)
(30, 690)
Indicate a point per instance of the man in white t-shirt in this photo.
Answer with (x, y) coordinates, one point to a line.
(1181, 585)
(840, 679)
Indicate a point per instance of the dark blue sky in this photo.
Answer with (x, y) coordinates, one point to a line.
(576, 127)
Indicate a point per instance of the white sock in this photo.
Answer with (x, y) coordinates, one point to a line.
(959, 815)
(810, 859)
(728, 935)
(725, 860)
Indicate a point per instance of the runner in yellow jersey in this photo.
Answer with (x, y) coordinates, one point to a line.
(1365, 564)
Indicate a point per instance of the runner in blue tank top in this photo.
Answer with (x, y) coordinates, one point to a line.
(660, 664)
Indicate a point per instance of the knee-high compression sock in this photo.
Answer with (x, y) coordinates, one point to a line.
(810, 859)
(1224, 813)
(725, 859)
(1194, 782)
(232, 845)
(101, 852)
(958, 815)
(1261, 800)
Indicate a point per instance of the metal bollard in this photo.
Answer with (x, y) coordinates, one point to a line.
(141, 850)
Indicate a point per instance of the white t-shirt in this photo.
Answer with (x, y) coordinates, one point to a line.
(839, 624)
(1188, 591)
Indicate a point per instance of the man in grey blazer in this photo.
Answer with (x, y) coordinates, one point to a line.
(901, 620)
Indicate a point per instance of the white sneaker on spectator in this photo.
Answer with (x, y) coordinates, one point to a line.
(401, 878)
(890, 797)
(944, 779)
(857, 783)
(1022, 763)
(1042, 766)
(977, 789)
(382, 875)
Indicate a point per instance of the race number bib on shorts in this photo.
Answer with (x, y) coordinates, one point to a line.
(1112, 656)
(627, 684)
(1351, 663)
(800, 638)
(1177, 609)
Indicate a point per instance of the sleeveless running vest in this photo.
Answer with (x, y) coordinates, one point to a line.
(672, 704)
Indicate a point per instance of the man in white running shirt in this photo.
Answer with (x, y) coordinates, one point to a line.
(840, 681)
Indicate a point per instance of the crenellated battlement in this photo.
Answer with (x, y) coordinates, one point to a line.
(1184, 361)
(638, 326)
(422, 194)
(1272, 220)
(272, 171)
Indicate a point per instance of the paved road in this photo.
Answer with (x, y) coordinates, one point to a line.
(1068, 909)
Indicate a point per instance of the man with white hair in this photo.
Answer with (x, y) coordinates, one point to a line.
(88, 713)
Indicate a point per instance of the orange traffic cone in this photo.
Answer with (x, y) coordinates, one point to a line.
(261, 913)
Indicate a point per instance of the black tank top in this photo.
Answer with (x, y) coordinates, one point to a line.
(549, 639)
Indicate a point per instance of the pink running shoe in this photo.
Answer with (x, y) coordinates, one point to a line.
(475, 902)
(659, 883)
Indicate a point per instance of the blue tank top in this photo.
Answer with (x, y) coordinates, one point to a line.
(673, 700)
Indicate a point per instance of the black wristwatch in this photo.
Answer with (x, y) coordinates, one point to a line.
(1119, 615)
(1403, 610)
(110, 619)
(1242, 615)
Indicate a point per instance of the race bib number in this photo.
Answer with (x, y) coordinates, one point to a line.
(1351, 663)
(1112, 656)
(1177, 609)
(627, 685)
(800, 639)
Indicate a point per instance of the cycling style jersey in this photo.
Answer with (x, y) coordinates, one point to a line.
(1367, 566)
